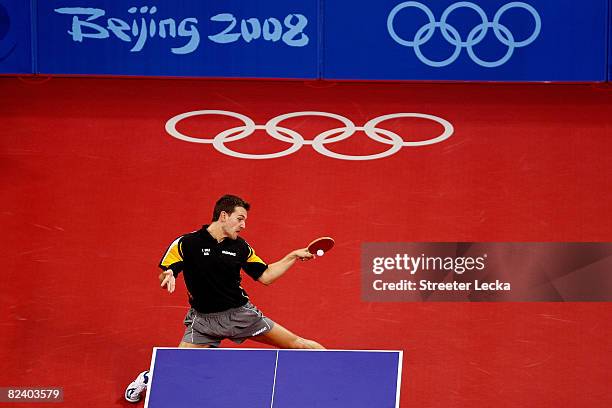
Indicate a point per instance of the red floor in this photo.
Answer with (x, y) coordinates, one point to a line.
(94, 189)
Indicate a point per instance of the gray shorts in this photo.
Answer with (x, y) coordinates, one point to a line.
(236, 324)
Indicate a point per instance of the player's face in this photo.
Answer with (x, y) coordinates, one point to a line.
(234, 223)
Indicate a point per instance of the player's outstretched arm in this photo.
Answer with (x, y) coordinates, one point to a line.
(277, 269)
(166, 278)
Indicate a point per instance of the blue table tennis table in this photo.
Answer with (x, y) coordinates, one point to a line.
(270, 378)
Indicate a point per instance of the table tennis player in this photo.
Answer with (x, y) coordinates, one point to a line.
(211, 260)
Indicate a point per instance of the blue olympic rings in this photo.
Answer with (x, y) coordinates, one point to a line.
(475, 36)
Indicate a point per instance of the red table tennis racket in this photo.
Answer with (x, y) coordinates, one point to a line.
(323, 244)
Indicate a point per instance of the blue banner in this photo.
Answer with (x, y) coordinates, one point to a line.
(609, 41)
(449, 40)
(15, 37)
(484, 40)
(233, 38)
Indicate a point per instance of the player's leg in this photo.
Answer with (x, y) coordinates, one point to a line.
(250, 323)
(134, 391)
(192, 338)
(280, 337)
(184, 344)
(137, 387)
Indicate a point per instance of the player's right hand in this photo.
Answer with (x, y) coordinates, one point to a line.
(303, 255)
(168, 280)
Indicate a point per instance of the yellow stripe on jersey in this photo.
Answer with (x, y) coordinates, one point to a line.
(254, 258)
(173, 254)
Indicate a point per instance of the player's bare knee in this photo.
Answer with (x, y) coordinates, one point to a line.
(301, 343)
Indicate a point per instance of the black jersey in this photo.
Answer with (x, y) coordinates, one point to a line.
(212, 269)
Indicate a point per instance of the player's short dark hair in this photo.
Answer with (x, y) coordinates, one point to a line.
(228, 203)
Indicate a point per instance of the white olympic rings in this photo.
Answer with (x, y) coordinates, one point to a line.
(475, 36)
(287, 135)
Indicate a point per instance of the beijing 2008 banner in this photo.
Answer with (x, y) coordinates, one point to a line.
(497, 40)
(231, 38)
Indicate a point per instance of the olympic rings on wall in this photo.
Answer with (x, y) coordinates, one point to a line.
(452, 36)
(296, 140)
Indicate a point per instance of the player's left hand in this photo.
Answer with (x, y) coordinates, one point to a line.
(168, 280)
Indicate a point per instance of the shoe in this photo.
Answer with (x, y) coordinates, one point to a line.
(136, 387)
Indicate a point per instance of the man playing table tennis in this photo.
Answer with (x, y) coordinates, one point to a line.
(211, 259)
